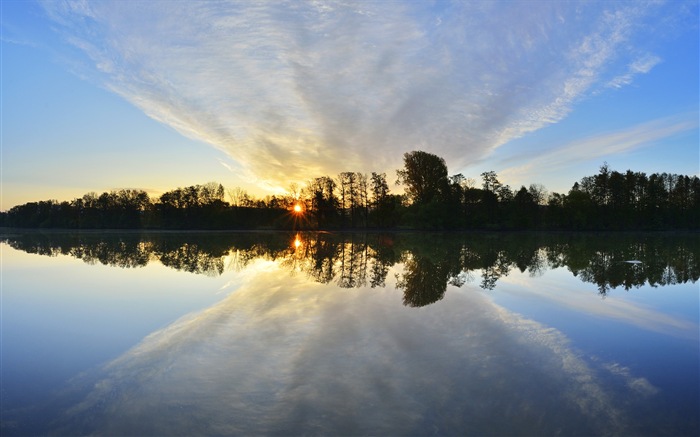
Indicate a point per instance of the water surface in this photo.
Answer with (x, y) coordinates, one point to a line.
(316, 333)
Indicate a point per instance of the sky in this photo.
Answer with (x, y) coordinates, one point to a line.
(259, 95)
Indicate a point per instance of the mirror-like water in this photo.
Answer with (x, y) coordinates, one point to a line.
(350, 334)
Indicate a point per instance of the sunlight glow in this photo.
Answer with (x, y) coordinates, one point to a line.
(297, 208)
(274, 116)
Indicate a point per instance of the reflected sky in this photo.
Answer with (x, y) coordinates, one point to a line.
(269, 347)
(283, 356)
(60, 315)
(653, 312)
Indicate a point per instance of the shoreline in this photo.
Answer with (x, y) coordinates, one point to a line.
(4, 231)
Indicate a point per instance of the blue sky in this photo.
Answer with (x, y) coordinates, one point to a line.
(156, 95)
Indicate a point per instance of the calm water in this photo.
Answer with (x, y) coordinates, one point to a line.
(350, 334)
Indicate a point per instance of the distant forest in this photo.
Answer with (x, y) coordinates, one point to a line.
(432, 199)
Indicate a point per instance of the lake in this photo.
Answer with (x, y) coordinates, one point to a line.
(350, 334)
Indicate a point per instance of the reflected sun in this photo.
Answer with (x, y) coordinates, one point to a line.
(297, 241)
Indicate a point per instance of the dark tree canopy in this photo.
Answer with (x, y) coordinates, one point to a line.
(424, 175)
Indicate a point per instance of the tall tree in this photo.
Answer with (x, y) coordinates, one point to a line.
(380, 189)
(238, 197)
(324, 203)
(491, 182)
(539, 193)
(424, 175)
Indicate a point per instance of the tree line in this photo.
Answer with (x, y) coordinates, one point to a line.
(432, 199)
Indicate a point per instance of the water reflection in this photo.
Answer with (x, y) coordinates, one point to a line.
(430, 261)
(312, 338)
(301, 360)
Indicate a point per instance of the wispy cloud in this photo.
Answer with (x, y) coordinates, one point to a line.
(596, 147)
(642, 65)
(293, 89)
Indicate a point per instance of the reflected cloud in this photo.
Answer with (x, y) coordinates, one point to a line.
(639, 385)
(283, 355)
(314, 340)
(621, 310)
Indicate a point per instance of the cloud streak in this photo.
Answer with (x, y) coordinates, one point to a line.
(293, 90)
(598, 146)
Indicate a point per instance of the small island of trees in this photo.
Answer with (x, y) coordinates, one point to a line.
(432, 199)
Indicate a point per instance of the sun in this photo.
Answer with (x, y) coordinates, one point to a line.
(297, 215)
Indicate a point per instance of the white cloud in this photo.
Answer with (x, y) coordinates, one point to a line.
(596, 147)
(294, 90)
(642, 65)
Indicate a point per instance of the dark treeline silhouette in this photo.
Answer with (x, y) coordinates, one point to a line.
(609, 200)
(430, 261)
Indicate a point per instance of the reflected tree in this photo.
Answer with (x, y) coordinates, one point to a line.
(422, 282)
(430, 261)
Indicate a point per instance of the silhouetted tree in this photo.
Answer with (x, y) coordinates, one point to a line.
(424, 175)
(609, 200)
(427, 189)
(523, 210)
(324, 203)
